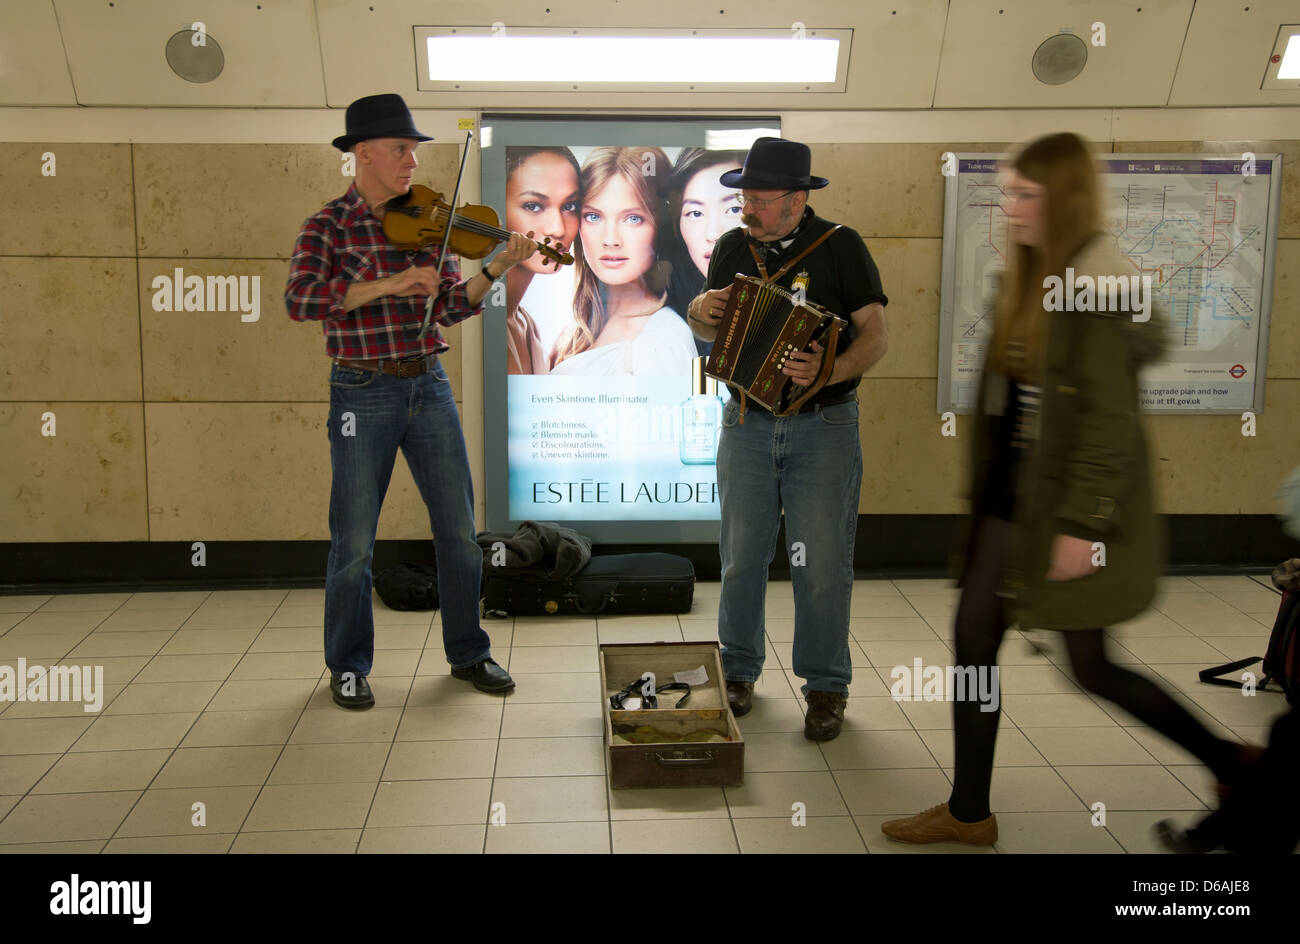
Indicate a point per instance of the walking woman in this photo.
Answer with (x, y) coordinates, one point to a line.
(1060, 475)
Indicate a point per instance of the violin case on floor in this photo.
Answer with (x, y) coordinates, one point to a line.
(613, 584)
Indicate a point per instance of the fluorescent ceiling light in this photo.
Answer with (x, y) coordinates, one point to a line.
(1283, 68)
(639, 60)
(1290, 65)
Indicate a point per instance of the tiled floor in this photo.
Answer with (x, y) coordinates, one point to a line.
(217, 733)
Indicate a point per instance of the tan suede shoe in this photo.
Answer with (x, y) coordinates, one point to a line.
(938, 825)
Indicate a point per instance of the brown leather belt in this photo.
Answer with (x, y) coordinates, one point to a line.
(406, 367)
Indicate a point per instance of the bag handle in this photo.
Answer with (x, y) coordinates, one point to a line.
(684, 759)
(593, 604)
(1208, 675)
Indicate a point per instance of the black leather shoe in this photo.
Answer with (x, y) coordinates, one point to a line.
(487, 676)
(351, 692)
(739, 696)
(825, 715)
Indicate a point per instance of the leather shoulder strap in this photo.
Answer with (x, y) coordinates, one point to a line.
(807, 249)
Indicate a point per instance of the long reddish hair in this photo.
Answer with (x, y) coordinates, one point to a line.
(1063, 166)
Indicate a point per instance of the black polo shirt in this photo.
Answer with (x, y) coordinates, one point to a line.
(841, 278)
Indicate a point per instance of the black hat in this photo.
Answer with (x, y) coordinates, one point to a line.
(775, 164)
(378, 116)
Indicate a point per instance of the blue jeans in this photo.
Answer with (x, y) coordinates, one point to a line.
(417, 415)
(810, 465)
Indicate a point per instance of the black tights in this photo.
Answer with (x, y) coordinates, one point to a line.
(980, 624)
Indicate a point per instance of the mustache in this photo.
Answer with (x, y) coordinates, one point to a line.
(749, 220)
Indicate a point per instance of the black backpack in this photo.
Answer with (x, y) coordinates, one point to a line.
(408, 587)
(1281, 661)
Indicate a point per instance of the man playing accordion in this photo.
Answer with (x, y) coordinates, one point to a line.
(808, 464)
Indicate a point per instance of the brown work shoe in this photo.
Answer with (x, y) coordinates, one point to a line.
(825, 715)
(938, 825)
(739, 697)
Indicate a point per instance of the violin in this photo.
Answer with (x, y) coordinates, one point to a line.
(418, 219)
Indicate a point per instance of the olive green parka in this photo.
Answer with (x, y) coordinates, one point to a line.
(1087, 471)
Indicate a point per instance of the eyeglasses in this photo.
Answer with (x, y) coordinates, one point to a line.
(758, 204)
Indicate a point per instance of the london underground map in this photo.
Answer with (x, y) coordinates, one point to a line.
(1198, 230)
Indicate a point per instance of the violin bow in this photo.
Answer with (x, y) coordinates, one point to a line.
(446, 238)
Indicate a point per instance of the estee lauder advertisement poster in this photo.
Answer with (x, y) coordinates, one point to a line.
(607, 415)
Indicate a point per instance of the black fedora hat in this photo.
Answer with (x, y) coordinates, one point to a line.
(775, 164)
(378, 116)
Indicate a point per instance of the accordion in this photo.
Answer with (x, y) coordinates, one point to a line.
(762, 324)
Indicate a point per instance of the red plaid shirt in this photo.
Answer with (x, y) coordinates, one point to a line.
(344, 243)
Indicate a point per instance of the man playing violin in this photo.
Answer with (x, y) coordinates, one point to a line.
(388, 391)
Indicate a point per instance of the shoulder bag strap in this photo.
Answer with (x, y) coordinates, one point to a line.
(762, 269)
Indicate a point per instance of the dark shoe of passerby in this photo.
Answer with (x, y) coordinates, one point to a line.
(1258, 814)
(1205, 837)
(1249, 757)
(351, 691)
(825, 715)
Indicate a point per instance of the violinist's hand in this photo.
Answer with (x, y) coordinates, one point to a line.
(517, 249)
(417, 280)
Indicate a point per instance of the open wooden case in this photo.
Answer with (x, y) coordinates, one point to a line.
(657, 755)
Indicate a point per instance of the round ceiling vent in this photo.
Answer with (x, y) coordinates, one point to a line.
(1059, 58)
(194, 61)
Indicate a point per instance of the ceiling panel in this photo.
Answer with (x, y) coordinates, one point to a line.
(907, 54)
(989, 46)
(369, 47)
(1227, 51)
(117, 52)
(33, 68)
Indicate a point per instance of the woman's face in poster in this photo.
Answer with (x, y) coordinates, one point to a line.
(708, 210)
(542, 196)
(618, 233)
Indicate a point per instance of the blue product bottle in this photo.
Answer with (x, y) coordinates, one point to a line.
(701, 419)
